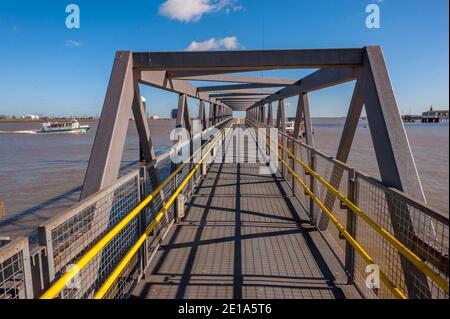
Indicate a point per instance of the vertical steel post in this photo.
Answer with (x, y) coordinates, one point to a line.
(351, 225)
(283, 129)
(269, 114)
(201, 115)
(142, 192)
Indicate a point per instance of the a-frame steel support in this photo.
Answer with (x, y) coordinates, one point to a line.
(160, 69)
(106, 155)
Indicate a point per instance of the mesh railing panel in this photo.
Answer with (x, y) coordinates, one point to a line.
(72, 237)
(14, 260)
(100, 267)
(127, 276)
(415, 227)
(418, 227)
(337, 176)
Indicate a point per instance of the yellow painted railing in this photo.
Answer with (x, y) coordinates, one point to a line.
(390, 238)
(59, 285)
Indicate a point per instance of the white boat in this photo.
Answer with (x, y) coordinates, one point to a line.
(67, 127)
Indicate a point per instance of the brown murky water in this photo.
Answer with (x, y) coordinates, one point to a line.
(42, 174)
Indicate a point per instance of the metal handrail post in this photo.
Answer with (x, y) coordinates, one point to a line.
(351, 225)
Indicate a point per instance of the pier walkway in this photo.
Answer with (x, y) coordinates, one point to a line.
(244, 236)
(254, 210)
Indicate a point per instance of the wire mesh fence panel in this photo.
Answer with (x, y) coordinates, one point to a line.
(91, 277)
(419, 228)
(73, 232)
(70, 235)
(337, 176)
(15, 274)
(128, 276)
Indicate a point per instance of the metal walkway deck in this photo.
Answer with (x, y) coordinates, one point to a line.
(244, 236)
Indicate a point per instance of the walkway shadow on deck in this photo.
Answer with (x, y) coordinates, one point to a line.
(237, 238)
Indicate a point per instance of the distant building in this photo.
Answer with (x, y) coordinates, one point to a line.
(31, 117)
(174, 113)
(434, 116)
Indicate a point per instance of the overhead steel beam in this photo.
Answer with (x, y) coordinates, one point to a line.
(160, 80)
(186, 75)
(249, 103)
(239, 104)
(238, 107)
(256, 60)
(240, 79)
(234, 87)
(318, 80)
(241, 94)
(245, 91)
(244, 97)
(240, 101)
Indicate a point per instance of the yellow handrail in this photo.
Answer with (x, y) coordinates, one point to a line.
(358, 248)
(123, 263)
(56, 288)
(402, 249)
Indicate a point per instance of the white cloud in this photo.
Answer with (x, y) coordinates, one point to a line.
(193, 10)
(227, 43)
(74, 43)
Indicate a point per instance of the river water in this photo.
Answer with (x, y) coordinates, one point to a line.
(42, 174)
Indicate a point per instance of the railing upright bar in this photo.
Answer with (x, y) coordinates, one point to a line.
(351, 225)
(142, 193)
(312, 162)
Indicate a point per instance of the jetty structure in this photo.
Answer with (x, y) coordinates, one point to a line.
(434, 116)
(295, 223)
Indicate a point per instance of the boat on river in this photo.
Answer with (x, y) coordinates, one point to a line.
(72, 126)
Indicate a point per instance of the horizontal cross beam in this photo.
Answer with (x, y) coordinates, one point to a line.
(318, 80)
(159, 80)
(234, 87)
(240, 79)
(256, 60)
(248, 97)
(243, 92)
(186, 75)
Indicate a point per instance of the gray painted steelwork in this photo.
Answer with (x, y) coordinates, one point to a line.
(172, 70)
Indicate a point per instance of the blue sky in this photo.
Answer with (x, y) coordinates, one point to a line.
(49, 69)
